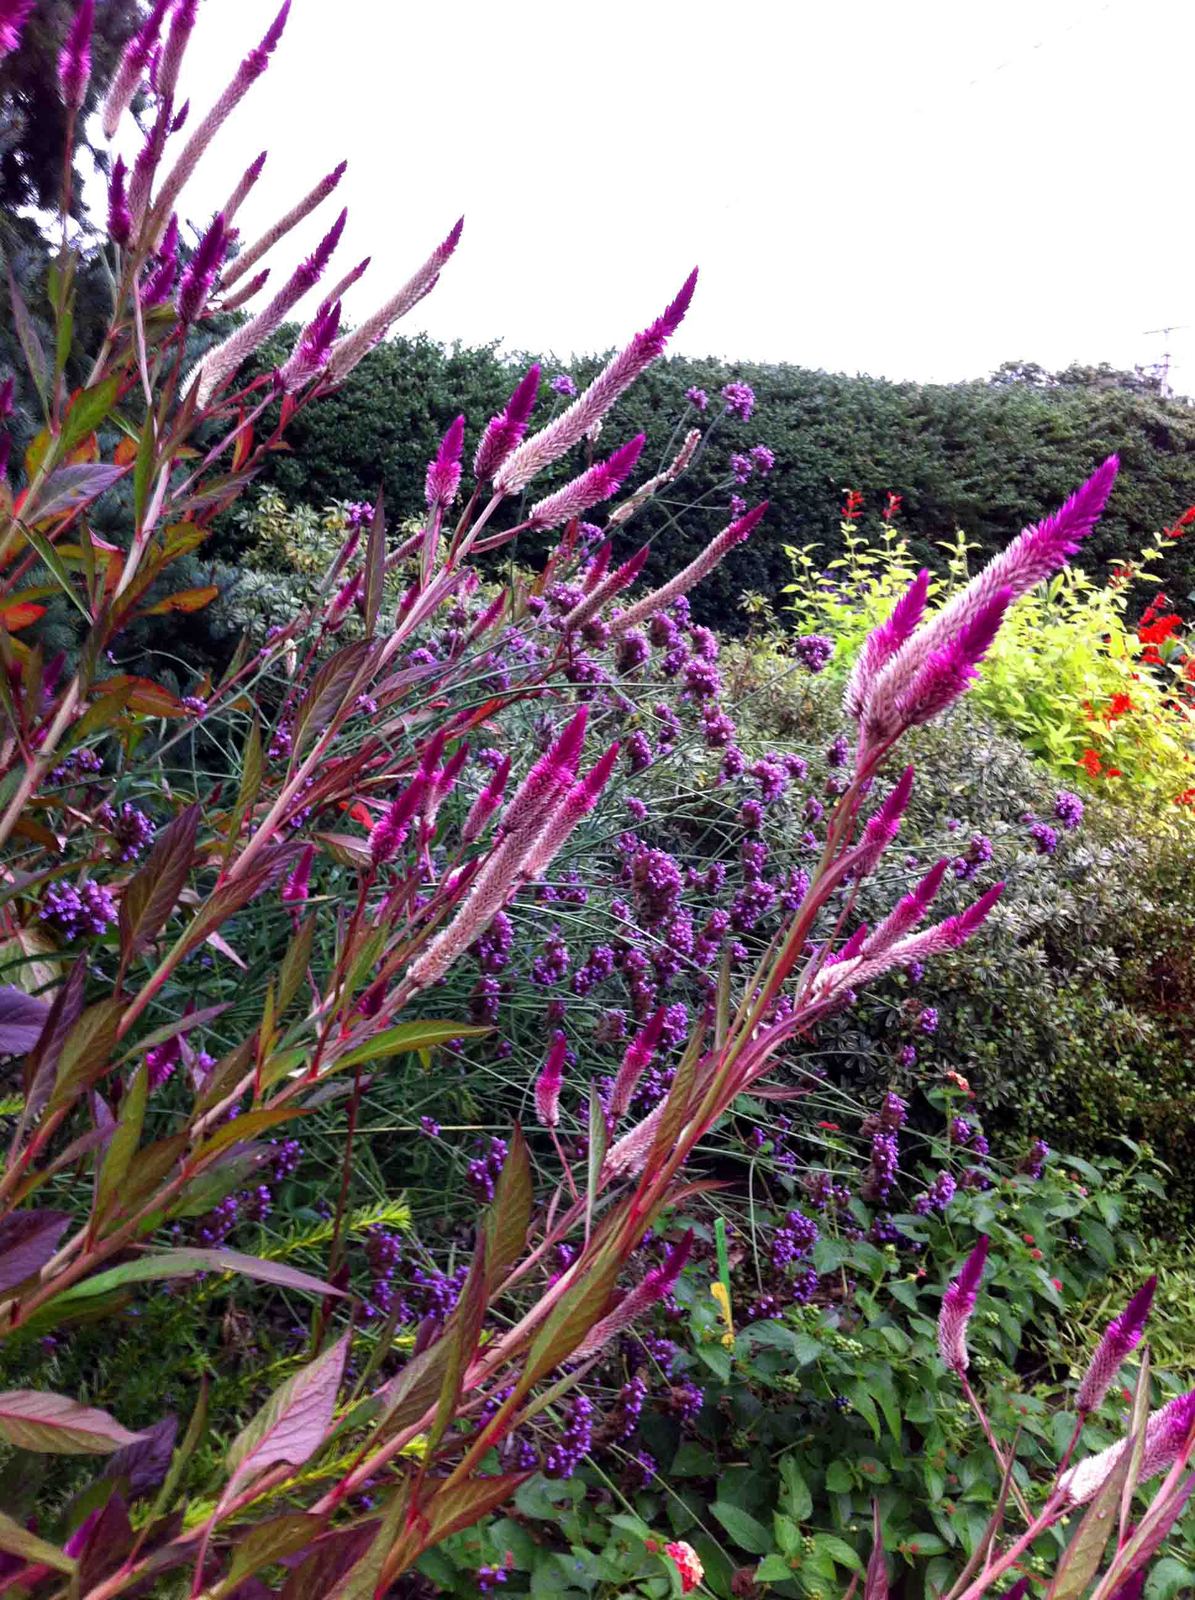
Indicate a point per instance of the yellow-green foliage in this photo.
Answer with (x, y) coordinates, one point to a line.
(1059, 672)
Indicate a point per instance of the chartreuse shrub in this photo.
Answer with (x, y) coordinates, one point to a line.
(1103, 702)
(227, 914)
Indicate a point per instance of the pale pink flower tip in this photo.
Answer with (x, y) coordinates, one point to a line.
(688, 1564)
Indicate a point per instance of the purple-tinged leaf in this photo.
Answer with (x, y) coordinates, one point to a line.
(108, 1542)
(142, 1465)
(71, 487)
(52, 1424)
(22, 1018)
(375, 566)
(185, 1263)
(876, 1583)
(329, 690)
(509, 1216)
(329, 1559)
(293, 1423)
(152, 893)
(87, 1053)
(270, 1542)
(27, 1241)
(41, 1065)
(18, 1541)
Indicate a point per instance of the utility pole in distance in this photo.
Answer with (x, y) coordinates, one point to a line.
(1162, 367)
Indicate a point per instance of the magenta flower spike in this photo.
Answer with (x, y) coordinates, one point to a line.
(505, 431)
(315, 197)
(947, 673)
(201, 271)
(548, 1084)
(654, 1287)
(244, 184)
(660, 599)
(1167, 1434)
(74, 59)
(487, 803)
(181, 26)
(883, 642)
(635, 1062)
(14, 14)
(310, 354)
(1122, 1335)
(957, 1305)
(444, 471)
(538, 452)
(132, 64)
(297, 885)
(388, 835)
(908, 911)
(355, 346)
(578, 803)
(350, 278)
(547, 780)
(596, 484)
(614, 583)
(120, 218)
(158, 285)
(883, 826)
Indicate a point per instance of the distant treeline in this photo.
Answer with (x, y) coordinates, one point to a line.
(985, 456)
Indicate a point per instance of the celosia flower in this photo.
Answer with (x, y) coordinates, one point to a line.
(355, 346)
(548, 1084)
(1167, 1433)
(572, 425)
(14, 14)
(957, 1305)
(120, 218)
(653, 1288)
(444, 471)
(201, 271)
(310, 354)
(883, 643)
(388, 835)
(596, 484)
(74, 59)
(132, 65)
(504, 432)
(157, 287)
(1121, 1336)
(315, 197)
(676, 587)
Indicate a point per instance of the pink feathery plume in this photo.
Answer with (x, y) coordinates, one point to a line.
(181, 25)
(297, 886)
(200, 272)
(388, 835)
(14, 14)
(957, 1305)
(908, 911)
(132, 64)
(851, 948)
(315, 197)
(572, 425)
(120, 218)
(548, 1084)
(614, 583)
(659, 599)
(444, 470)
(247, 74)
(246, 292)
(635, 1062)
(310, 354)
(548, 780)
(353, 347)
(444, 778)
(654, 1287)
(160, 282)
(505, 431)
(624, 512)
(227, 358)
(350, 278)
(577, 803)
(244, 184)
(146, 165)
(1030, 558)
(597, 483)
(74, 59)
(596, 567)
(1122, 1335)
(945, 674)
(487, 803)
(883, 642)
(1167, 1435)
(883, 825)
(628, 1155)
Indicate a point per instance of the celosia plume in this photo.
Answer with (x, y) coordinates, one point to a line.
(350, 278)
(635, 1062)
(252, 255)
(247, 179)
(487, 803)
(504, 432)
(310, 354)
(14, 14)
(578, 803)
(74, 59)
(1121, 1336)
(572, 425)
(160, 282)
(200, 272)
(389, 834)
(1168, 1433)
(660, 599)
(908, 911)
(444, 470)
(957, 1305)
(548, 779)
(132, 64)
(883, 826)
(654, 1287)
(120, 218)
(548, 1084)
(614, 583)
(624, 512)
(297, 885)
(593, 486)
(181, 25)
(353, 347)
(883, 642)
(226, 359)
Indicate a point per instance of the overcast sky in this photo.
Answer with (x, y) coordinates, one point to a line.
(919, 189)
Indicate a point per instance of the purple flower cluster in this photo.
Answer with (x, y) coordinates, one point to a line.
(1044, 838)
(565, 1454)
(740, 400)
(77, 910)
(482, 1172)
(794, 1239)
(132, 831)
(813, 651)
(564, 385)
(979, 851)
(1068, 809)
(697, 397)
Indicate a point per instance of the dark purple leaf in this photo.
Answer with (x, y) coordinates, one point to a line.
(107, 1544)
(153, 892)
(143, 1464)
(27, 1241)
(41, 1066)
(330, 1558)
(22, 1018)
(52, 1424)
(72, 487)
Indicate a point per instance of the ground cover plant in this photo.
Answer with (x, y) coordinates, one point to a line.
(231, 906)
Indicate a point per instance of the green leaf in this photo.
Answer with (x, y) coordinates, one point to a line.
(509, 1215)
(743, 1528)
(267, 1542)
(294, 1421)
(86, 1053)
(88, 410)
(185, 1264)
(773, 1569)
(596, 1155)
(124, 1143)
(794, 1491)
(406, 1038)
(839, 1479)
(830, 1254)
(838, 1551)
(18, 1541)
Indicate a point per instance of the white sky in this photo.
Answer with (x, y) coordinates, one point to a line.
(916, 189)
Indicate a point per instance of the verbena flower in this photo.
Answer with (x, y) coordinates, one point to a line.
(740, 400)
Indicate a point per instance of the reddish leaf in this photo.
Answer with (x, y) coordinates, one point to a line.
(152, 894)
(108, 1541)
(27, 1241)
(71, 487)
(293, 1423)
(144, 695)
(186, 1263)
(328, 692)
(20, 616)
(184, 600)
(22, 1018)
(87, 1052)
(52, 1424)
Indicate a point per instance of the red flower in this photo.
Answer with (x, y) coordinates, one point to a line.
(830, 1127)
(1164, 628)
(1118, 705)
(892, 506)
(1090, 762)
(852, 504)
